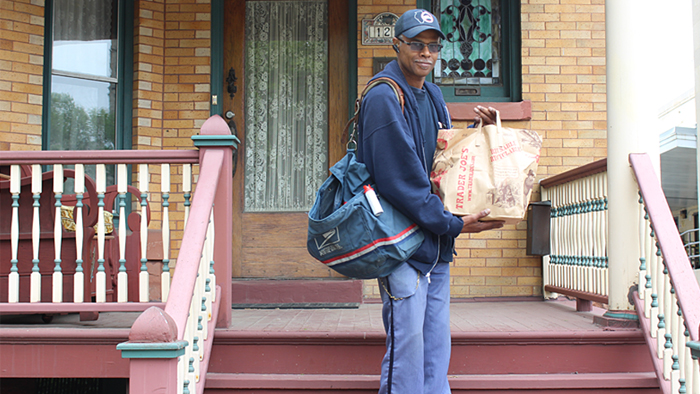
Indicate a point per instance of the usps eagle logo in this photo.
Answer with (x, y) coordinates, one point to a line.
(424, 17)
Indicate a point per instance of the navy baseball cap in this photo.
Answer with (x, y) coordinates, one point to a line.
(414, 22)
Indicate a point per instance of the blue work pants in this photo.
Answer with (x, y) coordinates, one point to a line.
(416, 317)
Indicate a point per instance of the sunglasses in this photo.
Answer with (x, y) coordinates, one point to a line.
(418, 46)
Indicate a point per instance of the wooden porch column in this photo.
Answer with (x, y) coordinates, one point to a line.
(631, 116)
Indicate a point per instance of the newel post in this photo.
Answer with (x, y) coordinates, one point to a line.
(153, 351)
(215, 134)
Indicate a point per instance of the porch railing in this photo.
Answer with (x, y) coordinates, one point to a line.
(62, 257)
(578, 265)
(668, 293)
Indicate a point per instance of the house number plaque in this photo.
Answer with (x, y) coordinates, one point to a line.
(380, 30)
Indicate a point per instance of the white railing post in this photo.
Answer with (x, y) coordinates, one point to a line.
(79, 277)
(122, 277)
(100, 275)
(13, 288)
(144, 295)
(35, 278)
(57, 235)
(165, 190)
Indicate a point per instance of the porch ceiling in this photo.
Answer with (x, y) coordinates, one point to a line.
(679, 168)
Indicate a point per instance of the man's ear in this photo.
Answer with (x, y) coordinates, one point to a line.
(395, 44)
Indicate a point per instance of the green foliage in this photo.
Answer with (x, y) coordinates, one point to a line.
(74, 127)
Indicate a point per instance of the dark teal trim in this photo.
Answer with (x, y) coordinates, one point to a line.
(48, 52)
(217, 56)
(125, 76)
(694, 348)
(511, 91)
(352, 59)
(621, 315)
(152, 350)
(215, 140)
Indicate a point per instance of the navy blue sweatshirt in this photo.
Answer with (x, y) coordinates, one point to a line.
(391, 144)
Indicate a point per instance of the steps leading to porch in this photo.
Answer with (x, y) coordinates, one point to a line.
(514, 347)
(518, 347)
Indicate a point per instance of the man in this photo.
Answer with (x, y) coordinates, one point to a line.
(398, 149)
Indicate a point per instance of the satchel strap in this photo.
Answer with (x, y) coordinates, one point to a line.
(358, 103)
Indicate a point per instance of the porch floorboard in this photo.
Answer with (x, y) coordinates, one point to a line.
(466, 317)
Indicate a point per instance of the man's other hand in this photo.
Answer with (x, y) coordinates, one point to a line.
(486, 115)
(473, 223)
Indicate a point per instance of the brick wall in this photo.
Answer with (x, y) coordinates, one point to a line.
(563, 58)
(171, 87)
(21, 66)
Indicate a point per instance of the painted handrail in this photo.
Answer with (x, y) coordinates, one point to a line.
(577, 264)
(668, 293)
(169, 348)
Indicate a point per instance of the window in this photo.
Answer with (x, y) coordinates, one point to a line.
(286, 115)
(480, 59)
(87, 96)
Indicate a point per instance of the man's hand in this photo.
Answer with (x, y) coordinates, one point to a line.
(486, 115)
(472, 223)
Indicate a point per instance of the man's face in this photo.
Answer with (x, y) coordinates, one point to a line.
(416, 65)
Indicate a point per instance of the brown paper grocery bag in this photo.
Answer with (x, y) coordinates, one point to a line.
(486, 167)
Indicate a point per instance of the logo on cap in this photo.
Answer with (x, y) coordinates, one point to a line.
(425, 17)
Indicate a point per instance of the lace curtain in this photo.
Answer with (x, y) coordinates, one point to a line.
(286, 113)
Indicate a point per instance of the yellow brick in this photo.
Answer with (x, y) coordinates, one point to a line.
(545, 88)
(486, 253)
(561, 26)
(513, 291)
(591, 61)
(501, 262)
(578, 143)
(563, 152)
(485, 290)
(561, 97)
(592, 116)
(500, 281)
(543, 17)
(594, 97)
(575, 17)
(545, 34)
(561, 116)
(545, 69)
(561, 61)
(576, 69)
(576, 88)
(468, 280)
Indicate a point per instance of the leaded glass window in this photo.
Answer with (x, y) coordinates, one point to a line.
(472, 50)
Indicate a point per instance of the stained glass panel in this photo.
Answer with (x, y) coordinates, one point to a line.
(472, 50)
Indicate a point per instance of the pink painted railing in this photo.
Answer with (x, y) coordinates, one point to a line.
(170, 343)
(668, 296)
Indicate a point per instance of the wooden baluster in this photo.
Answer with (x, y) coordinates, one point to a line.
(35, 278)
(187, 188)
(165, 190)
(57, 295)
(13, 279)
(696, 376)
(79, 277)
(100, 276)
(143, 274)
(122, 277)
(588, 212)
(680, 341)
(604, 231)
(641, 281)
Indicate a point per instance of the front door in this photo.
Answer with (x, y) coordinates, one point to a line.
(290, 61)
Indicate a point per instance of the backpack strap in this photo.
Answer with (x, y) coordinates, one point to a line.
(358, 103)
